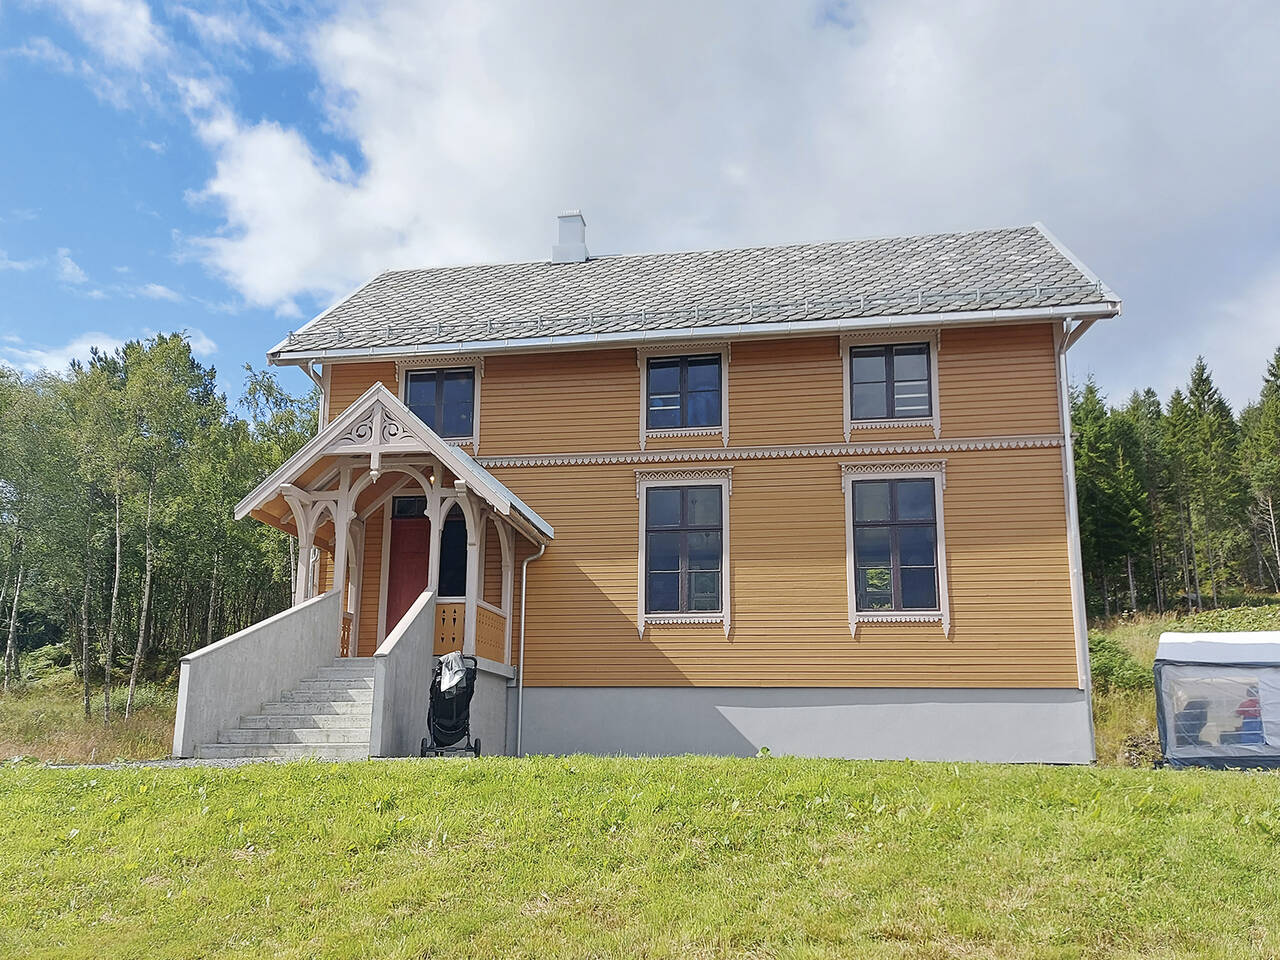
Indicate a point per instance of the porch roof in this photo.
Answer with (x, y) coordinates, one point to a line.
(377, 425)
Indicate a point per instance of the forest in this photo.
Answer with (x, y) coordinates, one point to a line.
(1178, 497)
(118, 478)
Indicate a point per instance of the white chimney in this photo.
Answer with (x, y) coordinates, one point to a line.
(572, 246)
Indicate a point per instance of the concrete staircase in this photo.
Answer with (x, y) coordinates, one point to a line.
(328, 717)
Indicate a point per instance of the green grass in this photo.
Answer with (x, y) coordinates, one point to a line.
(44, 718)
(683, 857)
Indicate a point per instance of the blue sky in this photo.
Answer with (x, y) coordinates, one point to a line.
(230, 169)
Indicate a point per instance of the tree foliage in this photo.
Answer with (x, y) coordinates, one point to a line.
(118, 478)
(1179, 502)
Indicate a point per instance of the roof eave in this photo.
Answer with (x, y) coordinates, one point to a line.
(1096, 310)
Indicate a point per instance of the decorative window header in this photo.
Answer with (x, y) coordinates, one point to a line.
(684, 476)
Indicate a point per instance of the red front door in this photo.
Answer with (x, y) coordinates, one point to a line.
(406, 565)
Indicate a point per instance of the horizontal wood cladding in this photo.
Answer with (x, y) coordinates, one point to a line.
(993, 381)
(998, 381)
(1007, 563)
(371, 584)
(348, 381)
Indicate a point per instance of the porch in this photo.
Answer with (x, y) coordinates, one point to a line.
(408, 549)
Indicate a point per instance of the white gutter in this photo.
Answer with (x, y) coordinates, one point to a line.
(722, 331)
(524, 592)
(1065, 337)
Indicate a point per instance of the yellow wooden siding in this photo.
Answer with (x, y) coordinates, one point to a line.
(371, 584)
(1007, 560)
(347, 381)
(557, 402)
(998, 381)
(491, 576)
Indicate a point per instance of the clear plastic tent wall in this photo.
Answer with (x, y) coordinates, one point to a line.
(1218, 699)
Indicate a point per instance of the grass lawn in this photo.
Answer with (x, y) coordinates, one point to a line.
(683, 857)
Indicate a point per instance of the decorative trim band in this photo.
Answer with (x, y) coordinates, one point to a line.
(923, 617)
(888, 424)
(889, 335)
(690, 475)
(680, 348)
(876, 468)
(886, 447)
(684, 432)
(428, 362)
(675, 618)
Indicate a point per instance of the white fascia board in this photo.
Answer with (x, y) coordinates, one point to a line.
(1099, 310)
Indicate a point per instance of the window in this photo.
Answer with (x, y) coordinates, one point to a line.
(895, 544)
(890, 382)
(684, 534)
(444, 400)
(683, 393)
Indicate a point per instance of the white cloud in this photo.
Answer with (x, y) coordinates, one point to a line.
(158, 291)
(37, 357)
(154, 146)
(68, 270)
(19, 265)
(201, 344)
(234, 29)
(121, 31)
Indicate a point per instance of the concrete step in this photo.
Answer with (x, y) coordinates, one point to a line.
(304, 721)
(284, 751)
(341, 673)
(336, 683)
(357, 735)
(352, 695)
(366, 662)
(318, 707)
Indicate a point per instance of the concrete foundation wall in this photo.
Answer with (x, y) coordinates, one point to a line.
(402, 683)
(1015, 726)
(489, 712)
(235, 676)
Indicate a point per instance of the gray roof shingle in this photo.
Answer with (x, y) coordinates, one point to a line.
(1019, 267)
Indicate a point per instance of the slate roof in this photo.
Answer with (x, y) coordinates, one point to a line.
(1019, 267)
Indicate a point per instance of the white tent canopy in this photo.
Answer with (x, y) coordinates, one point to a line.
(1259, 646)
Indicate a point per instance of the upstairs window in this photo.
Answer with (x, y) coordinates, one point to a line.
(684, 393)
(684, 535)
(895, 545)
(890, 382)
(444, 400)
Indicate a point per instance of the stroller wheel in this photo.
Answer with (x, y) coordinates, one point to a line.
(425, 743)
(475, 747)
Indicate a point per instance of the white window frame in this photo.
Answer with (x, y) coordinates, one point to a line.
(884, 338)
(422, 364)
(693, 477)
(935, 470)
(674, 351)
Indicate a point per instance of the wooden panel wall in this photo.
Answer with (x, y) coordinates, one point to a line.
(347, 381)
(371, 584)
(491, 591)
(998, 382)
(1007, 559)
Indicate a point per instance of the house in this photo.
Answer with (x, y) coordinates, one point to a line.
(817, 498)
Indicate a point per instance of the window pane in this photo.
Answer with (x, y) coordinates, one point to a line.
(915, 546)
(704, 591)
(402, 507)
(871, 500)
(919, 588)
(704, 505)
(871, 546)
(704, 551)
(911, 363)
(457, 420)
(868, 365)
(915, 499)
(911, 399)
(662, 507)
(458, 387)
(663, 418)
(664, 592)
(869, 401)
(875, 588)
(664, 376)
(664, 552)
(420, 397)
(704, 374)
(704, 409)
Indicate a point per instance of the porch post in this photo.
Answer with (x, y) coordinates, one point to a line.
(306, 538)
(474, 515)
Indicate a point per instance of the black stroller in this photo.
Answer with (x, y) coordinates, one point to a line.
(449, 714)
